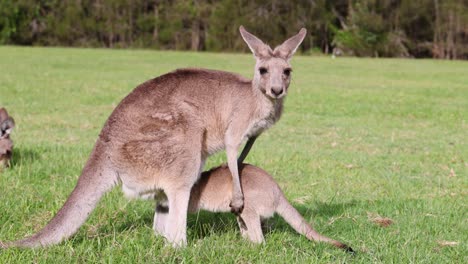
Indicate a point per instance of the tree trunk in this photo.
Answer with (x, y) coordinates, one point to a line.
(195, 34)
(130, 23)
(437, 49)
(450, 36)
(156, 19)
(457, 29)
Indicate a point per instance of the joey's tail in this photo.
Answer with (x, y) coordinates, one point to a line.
(292, 217)
(94, 182)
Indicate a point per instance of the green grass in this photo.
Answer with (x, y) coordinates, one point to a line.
(359, 137)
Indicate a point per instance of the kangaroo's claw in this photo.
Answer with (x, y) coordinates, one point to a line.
(237, 206)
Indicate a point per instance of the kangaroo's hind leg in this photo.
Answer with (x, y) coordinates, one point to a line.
(250, 226)
(242, 226)
(176, 222)
(178, 196)
(161, 214)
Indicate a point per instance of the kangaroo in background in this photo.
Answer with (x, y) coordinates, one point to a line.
(262, 197)
(7, 123)
(159, 136)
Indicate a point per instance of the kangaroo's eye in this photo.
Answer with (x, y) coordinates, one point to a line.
(287, 71)
(263, 70)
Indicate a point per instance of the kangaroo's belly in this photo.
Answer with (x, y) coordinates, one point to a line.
(213, 144)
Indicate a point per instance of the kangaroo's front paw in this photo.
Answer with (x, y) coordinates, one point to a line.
(237, 206)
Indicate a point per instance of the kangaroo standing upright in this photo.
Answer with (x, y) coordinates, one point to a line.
(160, 135)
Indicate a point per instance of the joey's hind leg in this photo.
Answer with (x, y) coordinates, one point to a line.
(250, 226)
(242, 227)
(161, 214)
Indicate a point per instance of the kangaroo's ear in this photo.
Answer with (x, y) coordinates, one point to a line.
(3, 114)
(6, 127)
(258, 48)
(289, 47)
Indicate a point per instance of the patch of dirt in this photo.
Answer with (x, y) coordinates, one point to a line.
(379, 220)
(444, 243)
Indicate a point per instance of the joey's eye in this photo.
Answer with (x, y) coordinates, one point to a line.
(262, 70)
(287, 71)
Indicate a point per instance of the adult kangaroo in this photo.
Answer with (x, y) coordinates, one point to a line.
(160, 135)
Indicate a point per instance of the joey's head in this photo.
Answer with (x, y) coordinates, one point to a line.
(6, 123)
(272, 68)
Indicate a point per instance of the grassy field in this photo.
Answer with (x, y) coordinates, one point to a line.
(359, 139)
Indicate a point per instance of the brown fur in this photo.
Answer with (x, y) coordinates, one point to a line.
(6, 144)
(160, 135)
(263, 198)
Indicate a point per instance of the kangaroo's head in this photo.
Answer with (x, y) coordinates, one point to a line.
(6, 123)
(272, 69)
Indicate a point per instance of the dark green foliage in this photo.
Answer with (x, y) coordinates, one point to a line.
(386, 28)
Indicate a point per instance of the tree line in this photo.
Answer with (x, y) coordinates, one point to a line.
(377, 28)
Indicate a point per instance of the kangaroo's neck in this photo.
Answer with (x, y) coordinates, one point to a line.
(278, 105)
(266, 113)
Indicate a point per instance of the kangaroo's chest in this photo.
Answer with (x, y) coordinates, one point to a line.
(259, 125)
(263, 120)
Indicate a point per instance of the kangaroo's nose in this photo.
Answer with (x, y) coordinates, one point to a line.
(276, 90)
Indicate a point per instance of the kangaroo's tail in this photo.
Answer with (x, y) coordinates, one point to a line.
(292, 217)
(93, 183)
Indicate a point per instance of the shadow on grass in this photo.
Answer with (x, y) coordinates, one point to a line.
(22, 156)
(199, 225)
(205, 224)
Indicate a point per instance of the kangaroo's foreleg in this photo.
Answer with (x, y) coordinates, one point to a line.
(237, 200)
(246, 150)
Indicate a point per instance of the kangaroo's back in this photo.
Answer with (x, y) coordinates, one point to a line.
(196, 98)
(263, 198)
(213, 191)
(182, 86)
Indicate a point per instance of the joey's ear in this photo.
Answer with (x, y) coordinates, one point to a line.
(3, 114)
(258, 48)
(289, 47)
(7, 126)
